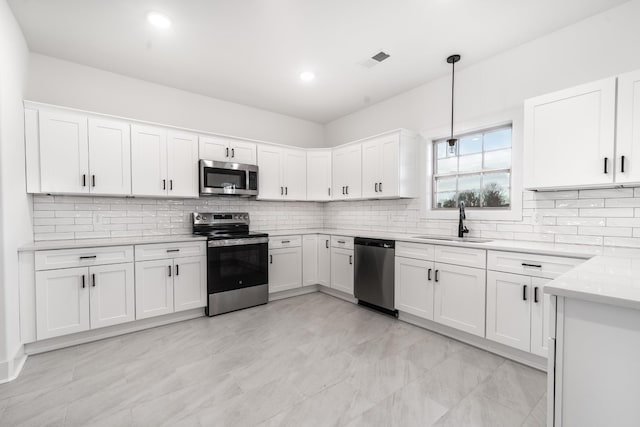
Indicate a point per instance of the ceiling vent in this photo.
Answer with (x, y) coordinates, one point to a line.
(374, 60)
(380, 56)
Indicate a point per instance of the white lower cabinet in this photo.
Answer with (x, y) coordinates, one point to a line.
(285, 269)
(189, 283)
(324, 260)
(342, 270)
(509, 309)
(112, 294)
(309, 260)
(62, 302)
(459, 297)
(414, 286)
(154, 288)
(540, 317)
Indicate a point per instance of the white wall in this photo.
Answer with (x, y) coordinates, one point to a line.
(60, 82)
(598, 47)
(15, 205)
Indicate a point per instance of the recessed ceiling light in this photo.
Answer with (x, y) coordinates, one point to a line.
(307, 76)
(159, 20)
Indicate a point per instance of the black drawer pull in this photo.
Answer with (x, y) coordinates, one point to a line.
(89, 257)
(606, 162)
(173, 250)
(622, 164)
(93, 280)
(83, 281)
(524, 292)
(429, 274)
(177, 270)
(341, 242)
(286, 241)
(535, 294)
(524, 264)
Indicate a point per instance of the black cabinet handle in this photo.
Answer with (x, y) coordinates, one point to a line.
(524, 292)
(329, 191)
(380, 187)
(535, 294)
(606, 162)
(622, 164)
(84, 180)
(164, 184)
(282, 191)
(169, 271)
(227, 154)
(326, 244)
(270, 259)
(347, 189)
(93, 280)
(89, 257)
(376, 187)
(286, 241)
(173, 250)
(341, 242)
(437, 276)
(177, 270)
(342, 190)
(524, 264)
(350, 259)
(170, 184)
(429, 274)
(93, 180)
(286, 191)
(233, 152)
(83, 281)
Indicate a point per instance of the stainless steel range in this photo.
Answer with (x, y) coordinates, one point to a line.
(238, 261)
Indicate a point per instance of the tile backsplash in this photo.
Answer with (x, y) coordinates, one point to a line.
(596, 217)
(65, 217)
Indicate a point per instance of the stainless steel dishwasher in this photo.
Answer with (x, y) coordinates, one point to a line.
(375, 273)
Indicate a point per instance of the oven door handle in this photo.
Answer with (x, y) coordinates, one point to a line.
(237, 242)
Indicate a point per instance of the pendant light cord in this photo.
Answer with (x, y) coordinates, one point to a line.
(453, 79)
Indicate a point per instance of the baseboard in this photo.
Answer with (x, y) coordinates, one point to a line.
(10, 369)
(519, 356)
(337, 294)
(110, 331)
(293, 292)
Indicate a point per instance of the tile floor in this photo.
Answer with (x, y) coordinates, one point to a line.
(312, 360)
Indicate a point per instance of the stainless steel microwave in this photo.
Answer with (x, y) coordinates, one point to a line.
(234, 179)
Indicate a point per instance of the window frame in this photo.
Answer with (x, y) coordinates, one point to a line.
(481, 172)
(512, 117)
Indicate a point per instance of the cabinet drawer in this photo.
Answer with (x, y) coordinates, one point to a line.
(342, 242)
(69, 258)
(285, 242)
(530, 264)
(415, 250)
(170, 250)
(476, 258)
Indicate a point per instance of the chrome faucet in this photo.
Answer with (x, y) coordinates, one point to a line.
(462, 229)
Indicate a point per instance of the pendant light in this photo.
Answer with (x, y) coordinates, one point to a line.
(452, 141)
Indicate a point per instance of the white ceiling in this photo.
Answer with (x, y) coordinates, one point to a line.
(252, 51)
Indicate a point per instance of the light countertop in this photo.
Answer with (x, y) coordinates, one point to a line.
(46, 245)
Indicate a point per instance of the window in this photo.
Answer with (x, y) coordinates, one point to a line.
(477, 171)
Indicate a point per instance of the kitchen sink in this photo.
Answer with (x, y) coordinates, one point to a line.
(454, 239)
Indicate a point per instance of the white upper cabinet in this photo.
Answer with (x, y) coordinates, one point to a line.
(628, 131)
(148, 160)
(282, 173)
(64, 152)
(570, 137)
(319, 175)
(182, 164)
(109, 157)
(224, 149)
(347, 172)
(163, 163)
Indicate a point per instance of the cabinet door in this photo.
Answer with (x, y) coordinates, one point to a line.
(182, 164)
(340, 164)
(285, 269)
(371, 173)
(389, 166)
(270, 185)
(342, 270)
(569, 136)
(148, 161)
(354, 171)
(459, 297)
(64, 153)
(214, 148)
(190, 283)
(324, 260)
(509, 309)
(242, 152)
(294, 176)
(309, 259)
(319, 175)
(111, 294)
(62, 302)
(540, 317)
(628, 133)
(154, 288)
(414, 286)
(109, 157)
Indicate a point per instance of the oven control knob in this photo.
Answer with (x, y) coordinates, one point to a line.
(198, 217)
